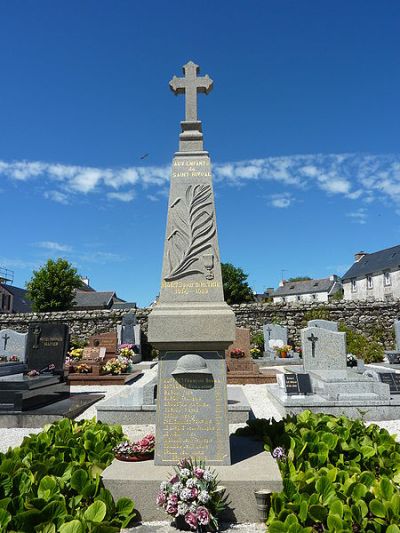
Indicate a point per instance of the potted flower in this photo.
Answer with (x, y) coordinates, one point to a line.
(351, 360)
(13, 358)
(76, 353)
(114, 366)
(193, 497)
(237, 353)
(284, 350)
(141, 450)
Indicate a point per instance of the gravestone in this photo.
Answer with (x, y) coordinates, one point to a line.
(241, 342)
(326, 324)
(13, 343)
(105, 340)
(323, 349)
(397, 334)
(275, 332)
(191, 324)
(128, 329)
(46, 350)
(47, 344)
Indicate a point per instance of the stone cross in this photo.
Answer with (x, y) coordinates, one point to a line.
(5, 337)
(269, 329)
(190, 85)
(313, 339)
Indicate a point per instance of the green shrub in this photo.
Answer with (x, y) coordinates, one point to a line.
(52, 483)
(257, 340)
(339, 475)
(371, 351)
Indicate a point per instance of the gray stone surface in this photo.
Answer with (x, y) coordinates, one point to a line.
(326, 324)
(192, 403)
(251, 469)
(276, 332)
(323, 349)
(13, 343)
(126, 406)
(396, 326)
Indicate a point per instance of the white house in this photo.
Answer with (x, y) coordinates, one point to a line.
(374, 276)
(312, 290)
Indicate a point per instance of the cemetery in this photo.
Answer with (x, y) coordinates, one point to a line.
(196, 415)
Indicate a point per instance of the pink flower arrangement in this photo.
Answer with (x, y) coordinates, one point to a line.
(192, 494)
(13, 358)
(128, 449)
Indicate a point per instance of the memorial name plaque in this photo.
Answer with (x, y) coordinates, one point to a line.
(298, 384)
(192, 409)
(392, 379)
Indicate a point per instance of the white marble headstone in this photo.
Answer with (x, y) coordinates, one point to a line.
(13, 343)
(326, 324)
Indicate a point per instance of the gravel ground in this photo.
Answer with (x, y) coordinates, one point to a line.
(260, 404)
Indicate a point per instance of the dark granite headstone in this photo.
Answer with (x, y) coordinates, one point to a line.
(127, 330)
(392, 379)
(47, 345)
(192, 408)
(298, 384)
(305, 386)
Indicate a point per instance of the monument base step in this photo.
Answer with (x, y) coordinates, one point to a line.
(367, 408)
(252, 469)
(105, 379)
(36, 418)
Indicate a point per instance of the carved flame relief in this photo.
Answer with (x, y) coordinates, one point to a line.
(192, 233)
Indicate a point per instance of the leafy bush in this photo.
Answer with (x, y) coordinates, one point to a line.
(52, 481)
(369, 350)
(257, 340)
(338, 475)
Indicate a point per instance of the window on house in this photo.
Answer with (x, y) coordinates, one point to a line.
(354, 285)
(387, 279)
(370, 283)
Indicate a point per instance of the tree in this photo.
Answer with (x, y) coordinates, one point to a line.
(299, 278)
(236, 288)
(52, 288)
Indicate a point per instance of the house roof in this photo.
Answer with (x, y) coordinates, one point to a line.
(375, 262)
(305, 287)
(97, 300)
(21, 304)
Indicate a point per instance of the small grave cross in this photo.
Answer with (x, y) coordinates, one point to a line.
(269, 329)
(190, 85)
(5, 337)
(313, 339)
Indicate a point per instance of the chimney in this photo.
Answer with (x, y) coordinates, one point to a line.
(85, 280)
(358, 256)
(282, 283)
(333, 277)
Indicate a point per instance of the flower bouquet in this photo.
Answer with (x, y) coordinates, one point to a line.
(127, 350)
(141, 450)
(83, 368)
(115, 366)
(76, 353)
(284, 350)
(237, 353)
(255, 353)
(13, 358)
(351, 360)
(192, 496)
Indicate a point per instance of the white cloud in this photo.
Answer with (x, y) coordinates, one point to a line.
(363, 177)
(281, 200)
(53, 246)
(127, 196)
(57, 196)
(359, 216)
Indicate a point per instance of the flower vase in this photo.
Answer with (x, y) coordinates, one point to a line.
(283, 355)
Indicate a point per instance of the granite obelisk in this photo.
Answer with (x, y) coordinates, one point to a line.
(191, 324)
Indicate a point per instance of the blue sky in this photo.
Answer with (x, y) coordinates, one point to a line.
(302, 127)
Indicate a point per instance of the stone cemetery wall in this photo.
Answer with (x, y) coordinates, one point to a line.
(364, 317)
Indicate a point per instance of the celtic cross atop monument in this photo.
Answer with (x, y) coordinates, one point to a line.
(190, 85)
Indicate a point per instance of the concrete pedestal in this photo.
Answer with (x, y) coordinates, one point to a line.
(251, 469)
